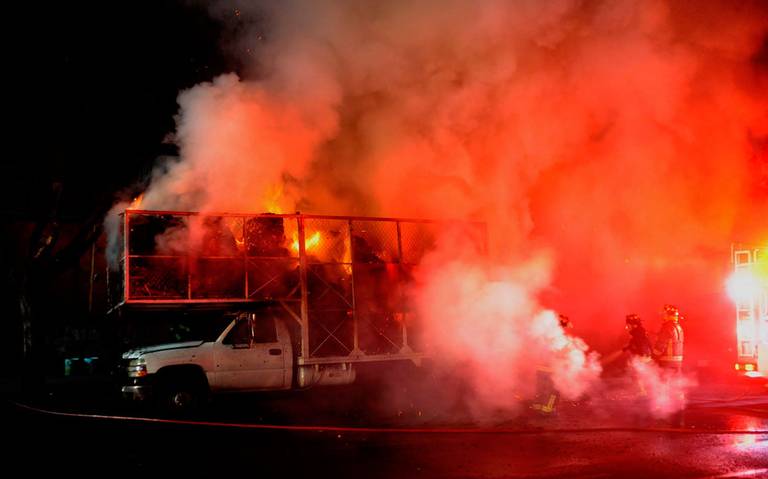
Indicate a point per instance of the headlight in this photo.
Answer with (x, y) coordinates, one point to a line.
(137, 368)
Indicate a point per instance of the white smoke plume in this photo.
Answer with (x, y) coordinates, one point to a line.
(666, 390)
(622, 140)
(485, 319)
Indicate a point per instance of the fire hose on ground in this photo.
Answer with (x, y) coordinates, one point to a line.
(391, 430)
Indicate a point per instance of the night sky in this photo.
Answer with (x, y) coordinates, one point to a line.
(94, 95)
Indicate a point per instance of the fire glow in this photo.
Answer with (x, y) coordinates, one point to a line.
(581, 133)
(310, 243)
(136, 203)
(744, 285)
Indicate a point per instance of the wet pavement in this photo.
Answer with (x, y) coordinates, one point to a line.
(359, 431)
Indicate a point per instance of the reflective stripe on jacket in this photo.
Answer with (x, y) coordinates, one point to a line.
(669, 343)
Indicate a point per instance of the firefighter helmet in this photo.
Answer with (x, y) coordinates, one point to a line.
(671, 313)
(633, 320)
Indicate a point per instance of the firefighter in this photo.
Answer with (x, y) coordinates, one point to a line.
(639, 345)
(668, 349)
(547, 396)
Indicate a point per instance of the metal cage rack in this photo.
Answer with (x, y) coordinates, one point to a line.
(343, 280)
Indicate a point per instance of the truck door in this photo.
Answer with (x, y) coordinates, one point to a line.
(250, 357)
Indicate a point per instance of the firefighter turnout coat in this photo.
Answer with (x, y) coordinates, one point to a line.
(668, 350)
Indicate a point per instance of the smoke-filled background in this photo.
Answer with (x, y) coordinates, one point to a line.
(615, 149)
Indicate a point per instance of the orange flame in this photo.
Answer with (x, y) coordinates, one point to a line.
(136, 203)
(272, 199)
(273, 207)
(309, 243)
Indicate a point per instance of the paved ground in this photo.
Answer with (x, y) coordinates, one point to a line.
(722, 433)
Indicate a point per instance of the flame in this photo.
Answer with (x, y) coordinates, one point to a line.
(273, 208)
(136, 203)
(309, 243)
(272, 199)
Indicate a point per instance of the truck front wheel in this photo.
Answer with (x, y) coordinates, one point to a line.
(181, 394)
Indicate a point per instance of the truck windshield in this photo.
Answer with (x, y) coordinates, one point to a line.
(168, 327)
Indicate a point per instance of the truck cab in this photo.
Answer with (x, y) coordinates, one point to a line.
(244, 351)
(253, 354)
(241, 351)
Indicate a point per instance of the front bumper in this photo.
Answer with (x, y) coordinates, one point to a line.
(138, 389)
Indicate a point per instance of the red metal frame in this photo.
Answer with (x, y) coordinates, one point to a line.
(325, 332)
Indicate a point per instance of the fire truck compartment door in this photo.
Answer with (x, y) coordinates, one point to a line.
(243, 365)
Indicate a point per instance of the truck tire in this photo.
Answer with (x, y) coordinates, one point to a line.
(181, 393)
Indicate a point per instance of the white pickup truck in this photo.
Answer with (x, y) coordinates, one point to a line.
(237, 352)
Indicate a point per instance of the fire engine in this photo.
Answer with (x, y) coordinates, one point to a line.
(748, 288)
(214, 303)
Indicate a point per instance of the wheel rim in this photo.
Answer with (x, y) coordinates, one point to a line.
(182, 399)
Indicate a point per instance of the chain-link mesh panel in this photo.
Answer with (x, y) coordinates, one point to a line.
(326, 241)
(405, 284)
(329, 287)
(417, 338)
(218, 278)
(156, 234)
(379, 299)
(273, 279)
(161, 278)
(235, 229)
(417, 239)
(211, 236)
(269, 236)
(291, 226)
(329, 293)
(374, 242)
(331, 333)
(379, 332)
(379, 287)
